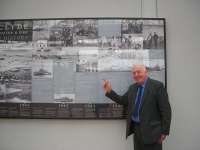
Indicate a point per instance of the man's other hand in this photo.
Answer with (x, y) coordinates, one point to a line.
(162, 138)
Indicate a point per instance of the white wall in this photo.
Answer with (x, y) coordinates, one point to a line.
(183, 52)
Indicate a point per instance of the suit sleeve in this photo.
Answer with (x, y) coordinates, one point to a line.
(122, 100)
(164, 108)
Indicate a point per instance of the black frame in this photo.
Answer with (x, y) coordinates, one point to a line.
(64, 110)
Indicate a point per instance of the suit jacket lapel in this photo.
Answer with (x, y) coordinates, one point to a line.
(133, 96)
(144, 97)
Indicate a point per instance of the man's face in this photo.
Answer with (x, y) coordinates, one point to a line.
(139, 73)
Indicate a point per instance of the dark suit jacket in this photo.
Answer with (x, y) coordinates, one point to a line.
(155, 110)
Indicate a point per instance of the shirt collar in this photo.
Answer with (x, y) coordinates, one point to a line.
(144, 84)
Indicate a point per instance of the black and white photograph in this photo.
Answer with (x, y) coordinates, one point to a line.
(130, 26)
(87, 60)
(42, 68)
(157, 61)
(64, 80)
(153, 34)
(130, 41)
(109, 32)
(15, 72)
(64, 98)
(40, 30)
(61, 33)
(85, 33)
(121, 60)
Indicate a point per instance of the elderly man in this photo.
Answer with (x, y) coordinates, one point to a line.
(149, 111)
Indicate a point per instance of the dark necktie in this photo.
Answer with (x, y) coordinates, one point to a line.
(135, 116)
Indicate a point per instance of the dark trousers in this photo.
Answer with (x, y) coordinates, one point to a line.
(138, 142)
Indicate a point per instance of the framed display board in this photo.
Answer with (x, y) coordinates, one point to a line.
(54, 68)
